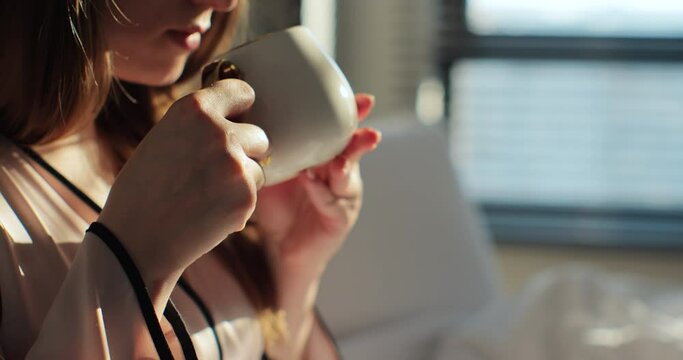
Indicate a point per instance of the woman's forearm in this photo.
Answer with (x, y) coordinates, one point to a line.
(298, 289)
(96, 314)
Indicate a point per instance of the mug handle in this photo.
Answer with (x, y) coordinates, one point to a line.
(220, 70)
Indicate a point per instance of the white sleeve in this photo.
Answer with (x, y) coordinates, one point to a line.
(95, 314)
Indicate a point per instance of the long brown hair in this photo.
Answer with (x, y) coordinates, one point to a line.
(55, 65)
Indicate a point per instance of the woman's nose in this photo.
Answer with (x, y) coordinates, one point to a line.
(217, 5)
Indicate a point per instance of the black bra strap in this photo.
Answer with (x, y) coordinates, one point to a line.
(73, 188)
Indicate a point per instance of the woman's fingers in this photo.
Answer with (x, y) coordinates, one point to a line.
(251, 138)
(256, 170)
(228, 98)
(318, 191)
(364, 104)
(250, 143)
(344, 175)
(340, 178)
(362, 141)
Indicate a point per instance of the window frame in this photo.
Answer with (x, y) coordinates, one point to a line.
(559, 225)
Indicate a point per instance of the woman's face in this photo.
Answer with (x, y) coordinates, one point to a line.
(152, 40)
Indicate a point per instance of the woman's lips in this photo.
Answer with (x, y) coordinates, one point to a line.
(187, 40)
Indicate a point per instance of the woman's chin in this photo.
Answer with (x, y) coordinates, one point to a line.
(160, 76)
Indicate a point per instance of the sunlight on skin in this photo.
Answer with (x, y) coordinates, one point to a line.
(12, 224)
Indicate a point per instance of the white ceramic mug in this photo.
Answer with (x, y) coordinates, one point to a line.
(304, 103)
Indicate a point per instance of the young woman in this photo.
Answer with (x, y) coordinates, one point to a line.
(187, 255)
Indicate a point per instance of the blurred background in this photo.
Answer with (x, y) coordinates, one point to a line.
(563, 120)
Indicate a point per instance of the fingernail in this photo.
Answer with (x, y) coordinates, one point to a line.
(369, 100)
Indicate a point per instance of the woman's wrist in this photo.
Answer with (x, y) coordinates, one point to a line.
(158, 282)
(150, 301)
(305, 263)
(297, 287)
(297, 276)
(296, 300)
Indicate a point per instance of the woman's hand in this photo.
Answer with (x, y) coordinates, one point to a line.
(304, 221)
(191, 182)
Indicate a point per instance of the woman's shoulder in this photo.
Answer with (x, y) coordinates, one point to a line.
(39, 233)
(29, 206)
(14, 162)
(16, 174)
